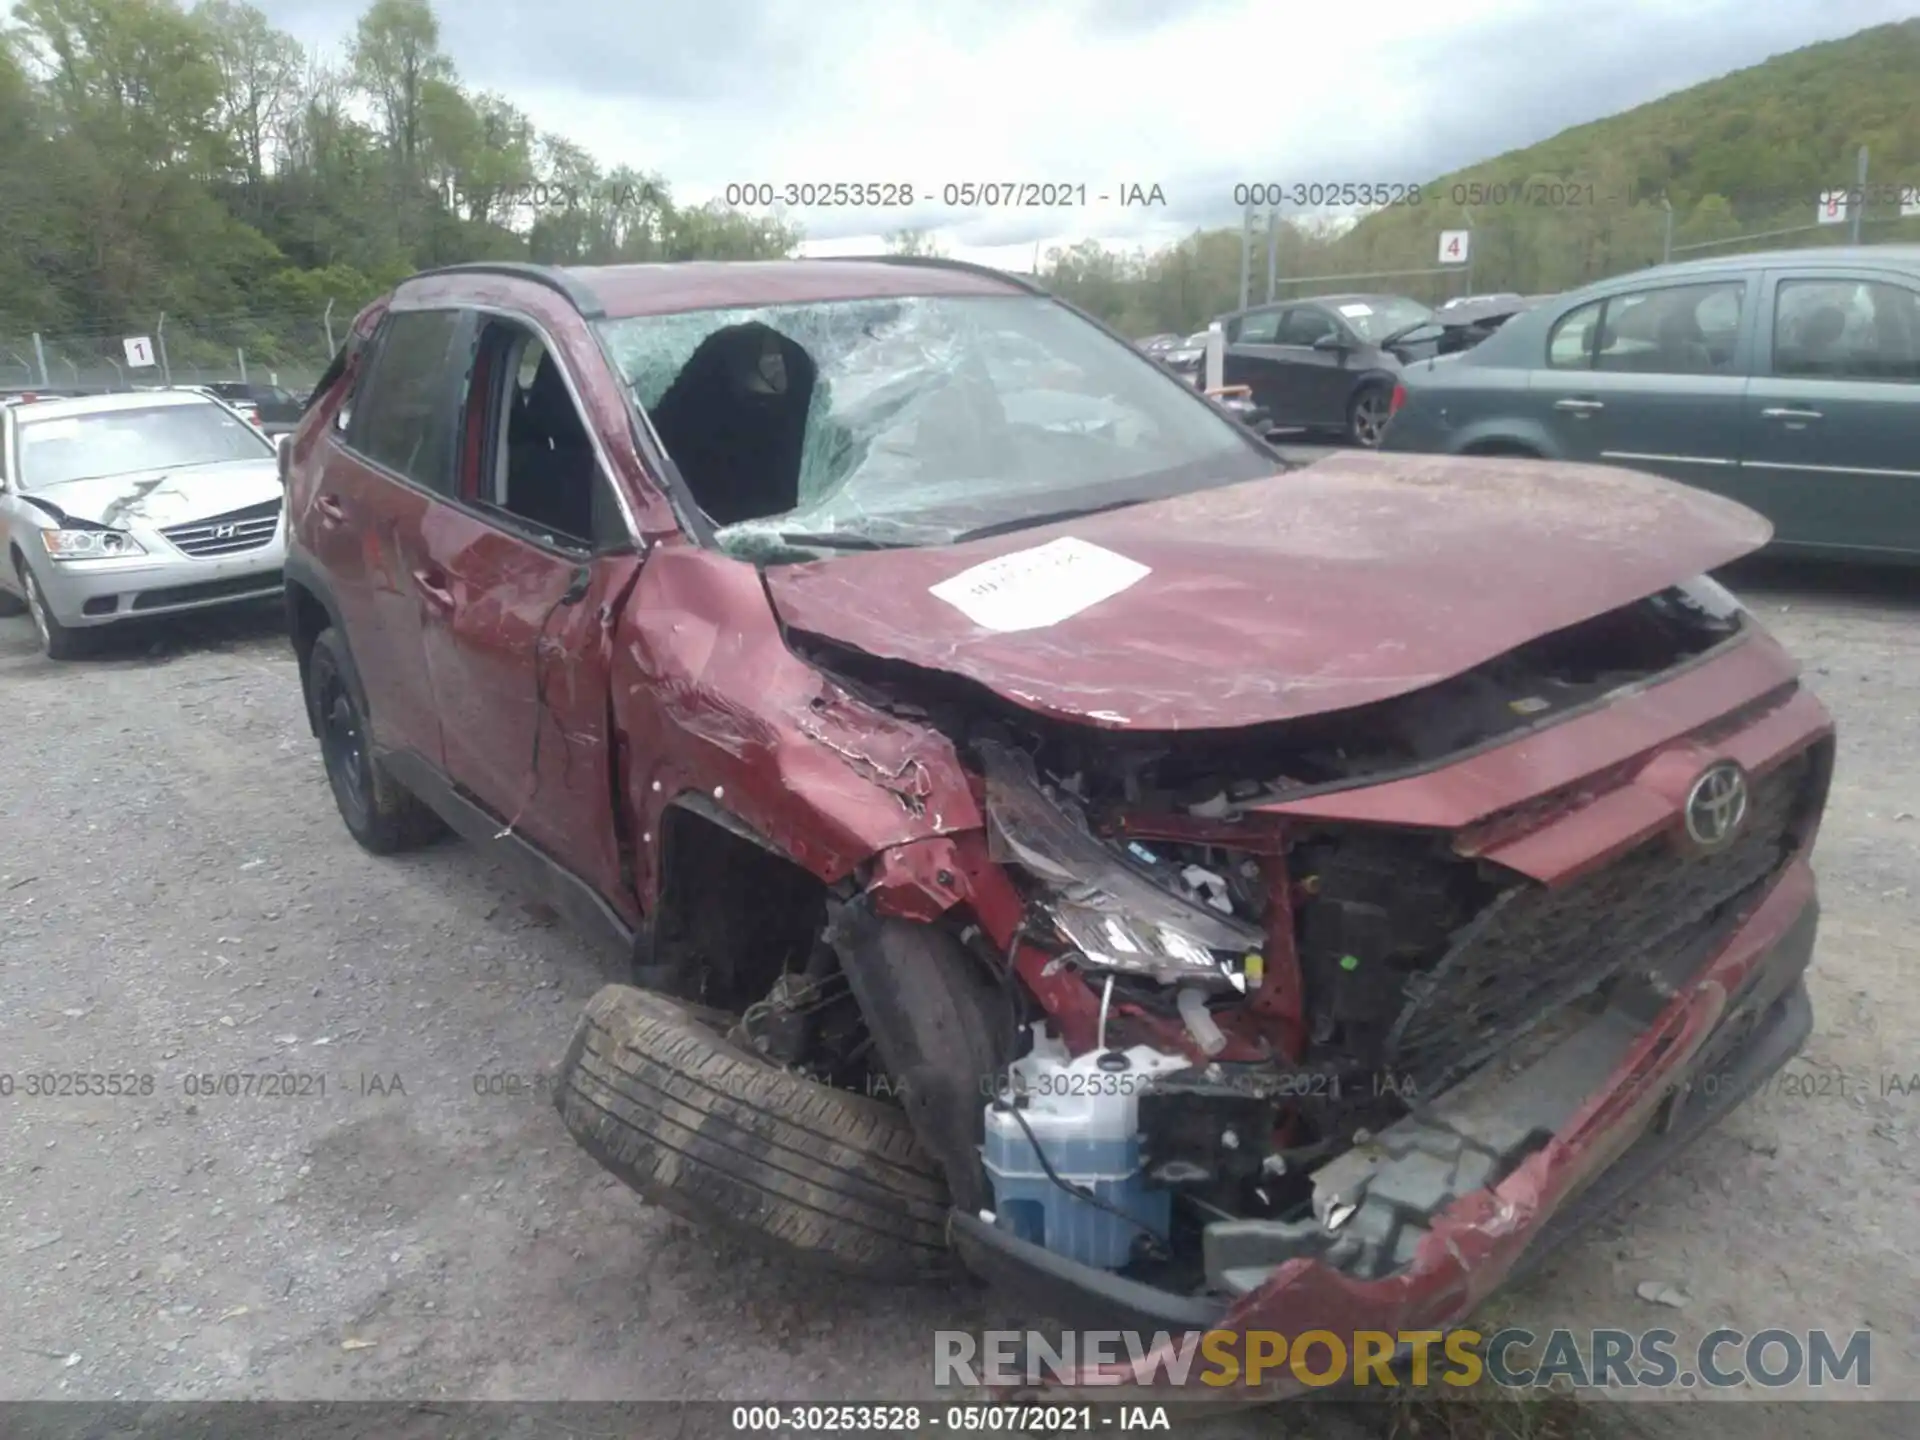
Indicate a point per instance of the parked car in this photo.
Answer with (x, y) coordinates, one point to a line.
(930, 760)
(1789, 381)
(1157, 345)
(1329, 362)
(277, 407)
(131, 505)
(1186, 357)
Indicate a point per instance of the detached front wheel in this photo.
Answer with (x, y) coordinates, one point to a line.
(720, 1136)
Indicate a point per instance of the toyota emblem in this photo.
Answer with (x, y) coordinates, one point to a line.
(1716, 805)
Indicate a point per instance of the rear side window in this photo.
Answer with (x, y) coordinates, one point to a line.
(1846, 330)
(1570, 345)
(403, 412)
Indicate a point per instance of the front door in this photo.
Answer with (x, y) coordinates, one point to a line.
(523, 573)
(1830, 451)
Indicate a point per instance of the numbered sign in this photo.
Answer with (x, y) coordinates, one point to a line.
(1833, 208)
(139, 350)
(1909, 200)
(1453, 246)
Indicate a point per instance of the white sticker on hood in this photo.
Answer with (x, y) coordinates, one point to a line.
(1356, 310)
(1032, 589)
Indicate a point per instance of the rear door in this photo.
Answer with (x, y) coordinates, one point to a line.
(391, 451)
(1652, 378)
(1832, 424)
(523, 570)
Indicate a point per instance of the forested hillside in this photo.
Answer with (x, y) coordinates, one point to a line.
(197, 163)
(1748, 152)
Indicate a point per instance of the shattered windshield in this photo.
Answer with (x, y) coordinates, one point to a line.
(913, 420)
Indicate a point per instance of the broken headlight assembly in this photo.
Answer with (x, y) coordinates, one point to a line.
(1118, 916)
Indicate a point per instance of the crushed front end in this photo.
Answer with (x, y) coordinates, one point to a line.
(1340, 1022)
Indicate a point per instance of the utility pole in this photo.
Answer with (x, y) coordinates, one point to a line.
(326, 319)
(1859, 196)
(1666, 243)
(1246, 253)
(160, 340)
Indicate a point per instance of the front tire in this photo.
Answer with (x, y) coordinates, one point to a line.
(722, 1137)
(380, 813)
(57, 641)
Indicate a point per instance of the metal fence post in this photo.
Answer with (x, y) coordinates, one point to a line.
(241, 356)
(40, 357)
(326, 319)
(1273, 248)
(1859, 196)
(1666, 242)
(160, 339)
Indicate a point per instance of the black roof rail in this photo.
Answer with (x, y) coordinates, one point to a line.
(942, 262)
(578, 295)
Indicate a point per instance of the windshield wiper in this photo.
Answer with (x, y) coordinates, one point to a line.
(1031, 522)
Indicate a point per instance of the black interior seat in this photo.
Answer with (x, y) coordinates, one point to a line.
(550, 461)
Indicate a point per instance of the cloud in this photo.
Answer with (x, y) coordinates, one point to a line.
(1195, 96)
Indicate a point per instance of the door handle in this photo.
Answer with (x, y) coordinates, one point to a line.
(1579, 407)
(332, 512)
(1788, 412)
(433, 585)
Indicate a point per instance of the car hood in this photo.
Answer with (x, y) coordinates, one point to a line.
(1355, 579)
(159, 498)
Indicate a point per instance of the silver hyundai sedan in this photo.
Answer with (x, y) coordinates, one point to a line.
(128, 505)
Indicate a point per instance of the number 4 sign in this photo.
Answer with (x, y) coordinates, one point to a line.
(1453, 246)
(139, 350)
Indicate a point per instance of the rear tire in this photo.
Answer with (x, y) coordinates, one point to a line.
(721, 1137)
(379, 812)
(1367, 416)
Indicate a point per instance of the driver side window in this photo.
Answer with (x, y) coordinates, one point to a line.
(526, 452)
(1306, 324)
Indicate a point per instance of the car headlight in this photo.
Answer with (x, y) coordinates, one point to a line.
(1116, 915)
(90, 544)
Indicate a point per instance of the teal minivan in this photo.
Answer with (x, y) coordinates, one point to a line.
(1787, 380)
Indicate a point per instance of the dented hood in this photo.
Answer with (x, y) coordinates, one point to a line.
(1358, 578)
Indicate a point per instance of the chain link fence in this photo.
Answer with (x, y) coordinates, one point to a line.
(291, 349)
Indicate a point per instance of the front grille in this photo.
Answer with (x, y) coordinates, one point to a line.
(229, 534)
(1532, 950)
(265, 583)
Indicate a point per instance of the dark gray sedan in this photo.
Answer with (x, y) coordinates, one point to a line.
(1789, 381)
(1329, 362)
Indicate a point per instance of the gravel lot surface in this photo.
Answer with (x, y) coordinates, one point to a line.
(179, 899)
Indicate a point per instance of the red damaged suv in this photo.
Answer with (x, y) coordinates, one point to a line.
(1048, 829)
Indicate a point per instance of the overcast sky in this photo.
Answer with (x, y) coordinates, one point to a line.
(1189, 95)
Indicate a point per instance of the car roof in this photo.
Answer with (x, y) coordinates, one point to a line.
(1904, 257)
(617, 292)
(76, 406)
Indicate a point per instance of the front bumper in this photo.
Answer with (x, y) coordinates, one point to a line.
(103, 592)
(1661, 1082)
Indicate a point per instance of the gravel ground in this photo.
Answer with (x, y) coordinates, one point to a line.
(178, 898)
